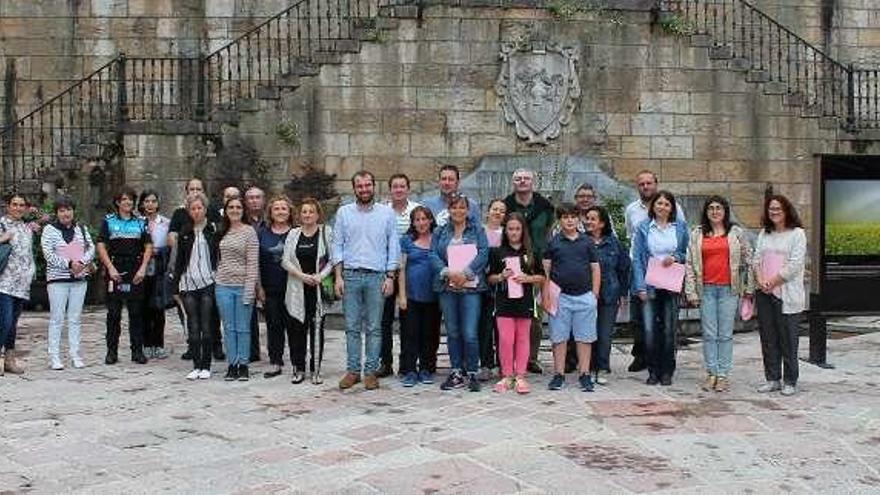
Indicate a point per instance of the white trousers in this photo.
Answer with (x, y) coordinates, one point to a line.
(65, 299)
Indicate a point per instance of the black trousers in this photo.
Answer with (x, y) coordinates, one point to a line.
(255, 335)
(311, 329)
(135, 306)
(200, 307)
(280, 326)
(637, 327)
(387, 352)
(154, 319)
(487, 333)
(419, 353)
(779, 339)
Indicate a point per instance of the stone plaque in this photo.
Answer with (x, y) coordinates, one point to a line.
(539, 88)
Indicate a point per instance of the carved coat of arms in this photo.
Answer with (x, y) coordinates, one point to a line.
(539, 89)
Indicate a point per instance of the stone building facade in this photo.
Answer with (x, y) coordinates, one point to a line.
(423, 93)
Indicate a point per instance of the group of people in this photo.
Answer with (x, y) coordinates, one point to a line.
(489, 281)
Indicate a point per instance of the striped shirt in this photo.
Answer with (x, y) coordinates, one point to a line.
(239, 264)
(198, 274)
(402, 219)
(57, 252)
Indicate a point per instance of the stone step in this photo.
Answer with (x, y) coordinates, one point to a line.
(793, 99)
(364, 23)
(399, 12)
(720, 53)
(758, 76)
(327, 57)
(829, 123)
(387, 23)
(268, 93)
(701, 40)
(288, 81)
(347, 46)
(775, 88)
(247, 105)
(812, 111)
(29, 186)
(739, 64)
(225, 116)
(305, 69)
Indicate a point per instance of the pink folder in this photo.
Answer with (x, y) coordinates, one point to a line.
(664, 277)
(550, 297)
(72, 252)
(459, 257)
(514, 289)
(771, 265)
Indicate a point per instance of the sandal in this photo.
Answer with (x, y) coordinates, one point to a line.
(298, 376)
(522, 386)
(503, 385)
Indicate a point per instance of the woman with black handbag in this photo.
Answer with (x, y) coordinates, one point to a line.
(306, 259)
(69, 253)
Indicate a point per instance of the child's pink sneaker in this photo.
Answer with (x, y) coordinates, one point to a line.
(522, 386)
(503, 385)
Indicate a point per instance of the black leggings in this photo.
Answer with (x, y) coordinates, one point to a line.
(199, 306)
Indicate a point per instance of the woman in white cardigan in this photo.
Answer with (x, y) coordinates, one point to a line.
(307, 261)
(778, 263)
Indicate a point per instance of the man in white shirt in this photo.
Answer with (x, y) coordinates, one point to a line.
(636, 213)
(398, 187)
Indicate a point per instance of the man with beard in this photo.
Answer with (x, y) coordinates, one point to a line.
(636, 213)
(540, 215)
(365, 255)
(255, 202)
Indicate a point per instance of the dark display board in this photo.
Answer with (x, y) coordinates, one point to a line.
(850, 234)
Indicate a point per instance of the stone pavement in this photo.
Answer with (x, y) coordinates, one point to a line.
(145, 429)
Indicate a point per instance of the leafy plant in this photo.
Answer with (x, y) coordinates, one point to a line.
(288, 134)
(675, 24)
(616, 207)
(316, 184)
(567, 9)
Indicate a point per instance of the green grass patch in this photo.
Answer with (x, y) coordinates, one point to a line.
(852, 239)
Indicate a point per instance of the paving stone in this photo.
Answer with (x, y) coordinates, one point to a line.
(146, 426)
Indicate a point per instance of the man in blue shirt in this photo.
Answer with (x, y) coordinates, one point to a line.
(365, 255)
(439, 205)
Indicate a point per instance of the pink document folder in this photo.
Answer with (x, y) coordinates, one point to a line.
(459, 257)
(771, 265)
(664, 277)
(514, 289)
(550, 297)
(72, 252)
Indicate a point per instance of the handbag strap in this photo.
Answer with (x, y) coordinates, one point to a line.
(86, 243)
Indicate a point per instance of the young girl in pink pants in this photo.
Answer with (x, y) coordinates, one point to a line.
(512, 272)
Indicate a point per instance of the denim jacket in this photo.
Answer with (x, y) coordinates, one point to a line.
(615, 264)
(473, 234)
(641, 254)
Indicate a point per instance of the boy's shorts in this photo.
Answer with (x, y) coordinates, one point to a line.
(575, 315)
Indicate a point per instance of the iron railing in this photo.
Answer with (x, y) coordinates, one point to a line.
(89, 114)
(298, 35)
(757, 43)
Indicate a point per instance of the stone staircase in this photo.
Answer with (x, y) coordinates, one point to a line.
(162, 95)
(810, 82)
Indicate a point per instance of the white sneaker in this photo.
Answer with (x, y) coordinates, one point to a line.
(204, 374)
(788, 389)
(768, 387)
(193, 375)
(78, 363)
(602, 377)
(56, 364)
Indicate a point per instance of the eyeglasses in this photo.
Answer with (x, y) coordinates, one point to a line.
(774, 209)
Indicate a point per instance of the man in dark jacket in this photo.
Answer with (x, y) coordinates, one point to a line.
(539, 213)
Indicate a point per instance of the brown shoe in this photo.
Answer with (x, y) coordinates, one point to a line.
(721, 384)
(12, 365)
(371, 382)
(709, 383)
(349, 380)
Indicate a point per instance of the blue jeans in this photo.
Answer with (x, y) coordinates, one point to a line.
(10, 310)
(660, 314)
(461, 311)
(605, 320)
(362, 304)
(717, 312)
(236, 318)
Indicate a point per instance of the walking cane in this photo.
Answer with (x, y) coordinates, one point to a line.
(319, 330)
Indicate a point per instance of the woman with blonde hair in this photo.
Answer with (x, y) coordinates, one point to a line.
(307, 253)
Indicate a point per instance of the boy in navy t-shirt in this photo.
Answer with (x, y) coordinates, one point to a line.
(571, 262)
